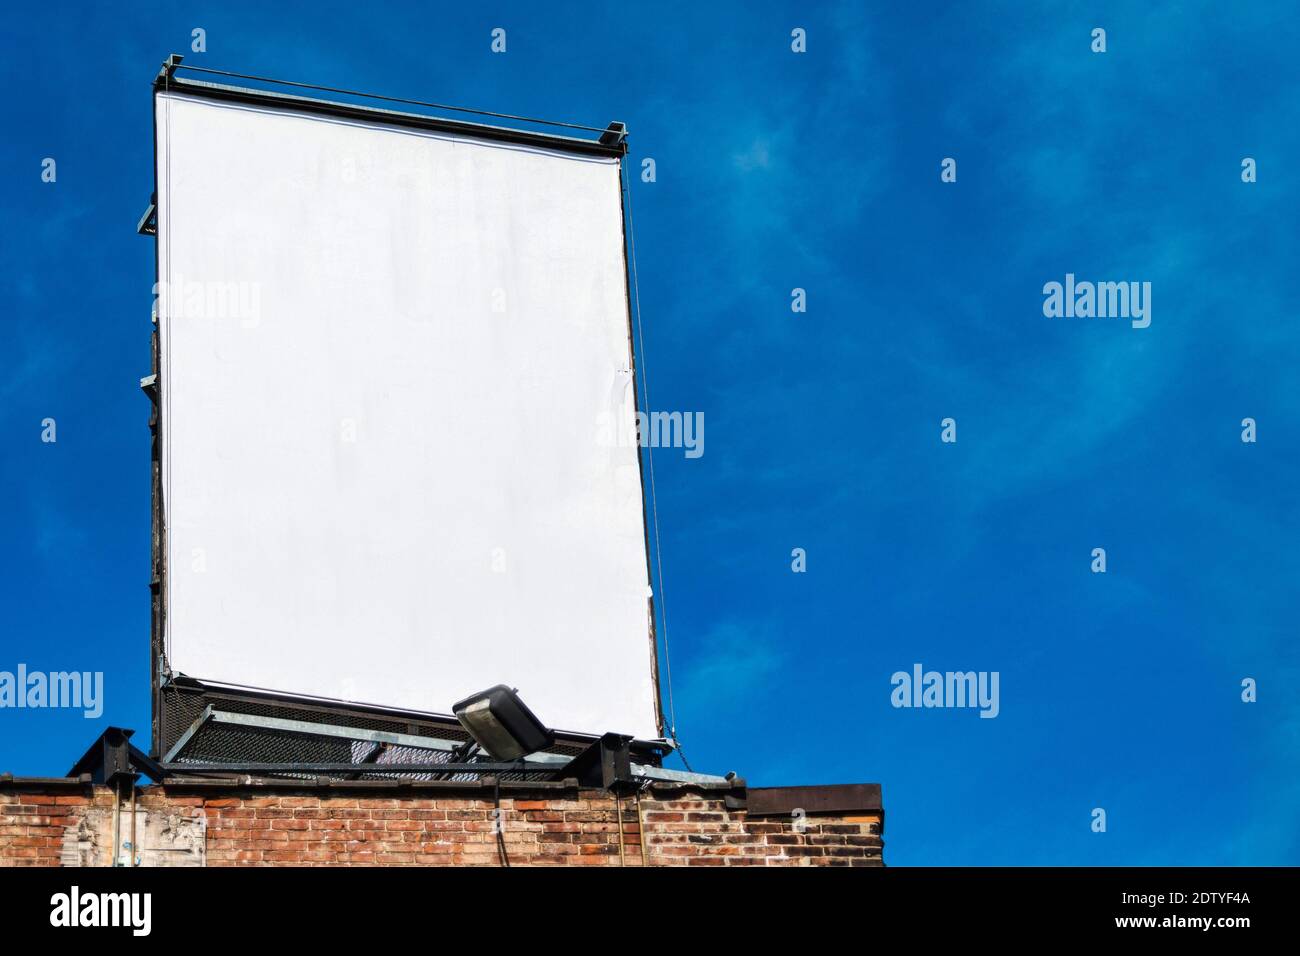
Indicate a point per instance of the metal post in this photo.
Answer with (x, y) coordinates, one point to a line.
(640, 826)
(133, 846)
(117, 819)
(622, 855)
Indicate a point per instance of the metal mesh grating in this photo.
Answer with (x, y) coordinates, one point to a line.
(217, 742)
(222, 743)
(182, 706)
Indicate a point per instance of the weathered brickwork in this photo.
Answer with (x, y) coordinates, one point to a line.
(50, 824)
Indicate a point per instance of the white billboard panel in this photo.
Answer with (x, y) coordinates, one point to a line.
(396, 401)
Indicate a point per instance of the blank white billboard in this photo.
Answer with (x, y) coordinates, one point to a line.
(396, 403)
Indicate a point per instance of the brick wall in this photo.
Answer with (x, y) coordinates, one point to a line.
(211, 823)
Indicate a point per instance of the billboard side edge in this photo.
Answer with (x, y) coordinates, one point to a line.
(636, 405)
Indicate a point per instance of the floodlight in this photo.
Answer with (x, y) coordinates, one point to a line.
(502, 724)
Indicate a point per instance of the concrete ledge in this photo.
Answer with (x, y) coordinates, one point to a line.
(838, 798)
(478, 787)
(8, 780)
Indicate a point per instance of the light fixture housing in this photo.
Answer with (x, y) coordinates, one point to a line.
(502, 724)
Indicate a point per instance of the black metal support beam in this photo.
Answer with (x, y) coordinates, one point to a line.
(148, 224)
(147, 765)
(614, 134)
(606, 764)
(108, 761)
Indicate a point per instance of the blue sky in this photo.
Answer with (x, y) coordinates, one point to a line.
(820, 170)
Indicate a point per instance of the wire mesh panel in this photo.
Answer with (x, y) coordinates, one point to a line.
(205, 727)
(222, 743)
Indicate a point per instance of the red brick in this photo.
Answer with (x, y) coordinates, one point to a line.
(308, 829)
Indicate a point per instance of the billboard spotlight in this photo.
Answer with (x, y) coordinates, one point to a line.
(502, 724)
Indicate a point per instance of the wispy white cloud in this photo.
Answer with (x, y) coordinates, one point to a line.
(729, 667)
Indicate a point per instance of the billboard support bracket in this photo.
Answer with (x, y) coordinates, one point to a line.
(168, 70)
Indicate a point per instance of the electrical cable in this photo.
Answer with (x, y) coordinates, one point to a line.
(654, 499)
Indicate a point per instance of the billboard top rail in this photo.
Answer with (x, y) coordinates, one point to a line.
(611, 140)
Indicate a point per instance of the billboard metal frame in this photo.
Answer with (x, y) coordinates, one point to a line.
(611, 142)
